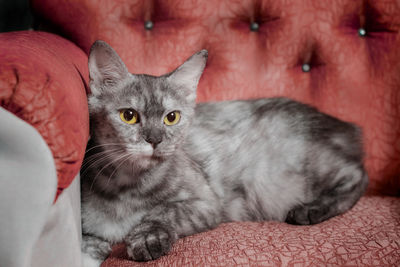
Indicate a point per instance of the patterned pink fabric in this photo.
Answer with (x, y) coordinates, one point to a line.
(367, 235)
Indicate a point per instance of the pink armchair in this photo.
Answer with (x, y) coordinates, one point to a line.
(341, 56)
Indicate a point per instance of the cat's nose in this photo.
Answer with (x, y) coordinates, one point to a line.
(152, 136)
(153, 140)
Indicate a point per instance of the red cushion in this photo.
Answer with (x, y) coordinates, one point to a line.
(42, 81)
(353, 239)
(353, 77)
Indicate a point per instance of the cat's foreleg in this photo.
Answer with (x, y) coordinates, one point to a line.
(94, 251)
(164, 224)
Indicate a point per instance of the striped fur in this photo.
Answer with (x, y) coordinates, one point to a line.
(265, 159)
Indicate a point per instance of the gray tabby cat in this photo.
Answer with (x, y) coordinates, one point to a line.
(159, 167)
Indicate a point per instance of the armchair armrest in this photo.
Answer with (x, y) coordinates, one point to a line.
(43, 80)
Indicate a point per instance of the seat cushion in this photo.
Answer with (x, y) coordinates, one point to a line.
(367, 235)
(42, 81)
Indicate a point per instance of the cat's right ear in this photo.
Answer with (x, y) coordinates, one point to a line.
(187, 75)
(106, 68)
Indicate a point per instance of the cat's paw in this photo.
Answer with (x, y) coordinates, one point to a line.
(89, 261)
(307, 214)
(149, 241)
(94, 251)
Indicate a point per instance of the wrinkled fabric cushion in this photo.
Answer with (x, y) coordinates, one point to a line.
(42, 81)
(367, 235)
(353, 76)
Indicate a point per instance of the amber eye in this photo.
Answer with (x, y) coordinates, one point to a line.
(129, 116)
(172, 118)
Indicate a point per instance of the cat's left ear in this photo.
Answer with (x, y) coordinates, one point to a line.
(106, 68)
(187, 76)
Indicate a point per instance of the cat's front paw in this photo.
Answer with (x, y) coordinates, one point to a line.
(149, 241)
(89, 261)
(94, 250)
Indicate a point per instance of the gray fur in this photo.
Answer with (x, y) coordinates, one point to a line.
(265, 159)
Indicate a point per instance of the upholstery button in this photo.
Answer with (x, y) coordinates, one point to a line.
(306, 67)
(362, 32)
(148, 25)
(254, 26)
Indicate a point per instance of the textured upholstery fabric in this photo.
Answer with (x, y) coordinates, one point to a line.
(42, 81)
(368, 235)
(353, 76)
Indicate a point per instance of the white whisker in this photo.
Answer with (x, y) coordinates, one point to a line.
(99, 160)
(99, 172)
(102, 145)
(93, 157)
(116, 168)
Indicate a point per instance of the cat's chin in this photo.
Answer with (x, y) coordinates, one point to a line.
(148, 153)
(149, 159)
(153, 156)
(144, 162)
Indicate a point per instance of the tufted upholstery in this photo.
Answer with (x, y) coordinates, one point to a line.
(259, 49)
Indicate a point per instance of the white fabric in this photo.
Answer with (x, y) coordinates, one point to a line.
(59, 243)
(28, 184)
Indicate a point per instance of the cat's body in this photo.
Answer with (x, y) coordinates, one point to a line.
(149, 183)
(265, 157)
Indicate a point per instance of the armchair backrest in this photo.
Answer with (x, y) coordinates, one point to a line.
(340, 56)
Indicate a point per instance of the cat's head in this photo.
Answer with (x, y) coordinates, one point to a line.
(145, 116)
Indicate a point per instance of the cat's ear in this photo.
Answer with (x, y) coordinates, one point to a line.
(106, 68)
(187, 76)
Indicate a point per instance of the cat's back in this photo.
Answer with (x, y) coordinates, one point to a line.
(273, 119)
(234, 134)
(234, 115)
(239, 116)
(265, 146)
